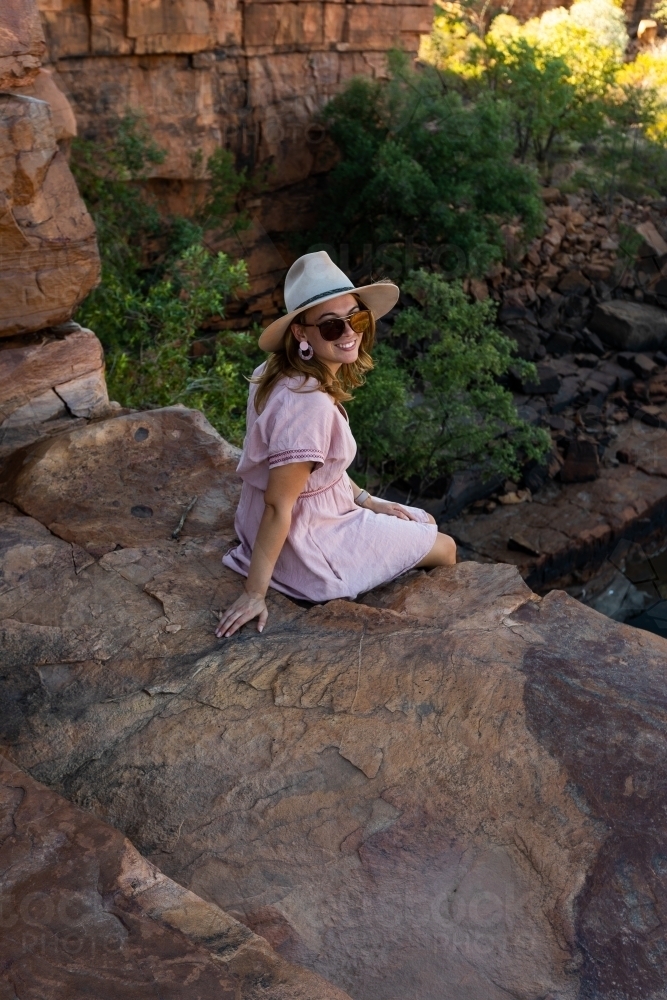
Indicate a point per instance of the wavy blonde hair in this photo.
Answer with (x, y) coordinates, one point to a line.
(288, 361)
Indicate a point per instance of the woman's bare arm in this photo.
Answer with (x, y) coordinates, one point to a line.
(382, 506)
(285, 484)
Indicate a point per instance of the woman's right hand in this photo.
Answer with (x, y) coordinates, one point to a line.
(244, 609)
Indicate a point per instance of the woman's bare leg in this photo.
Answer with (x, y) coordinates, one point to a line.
(443, 553)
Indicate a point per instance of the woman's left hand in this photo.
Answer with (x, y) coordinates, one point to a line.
(391, 509)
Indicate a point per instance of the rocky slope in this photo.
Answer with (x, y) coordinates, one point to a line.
(49, 251)
(586, 302)
(451, 786)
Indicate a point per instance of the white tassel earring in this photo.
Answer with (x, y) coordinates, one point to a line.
(305, 350)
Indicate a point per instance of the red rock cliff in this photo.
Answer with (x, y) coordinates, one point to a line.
(245, 75)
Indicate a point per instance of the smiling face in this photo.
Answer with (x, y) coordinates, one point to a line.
(333, 354)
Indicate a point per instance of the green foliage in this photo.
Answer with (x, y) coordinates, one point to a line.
(107, 174)
(435, 404)
(169, 317)
(225, 184)
(380, 417)
(555, 75)
(423, 169)
(161, 285)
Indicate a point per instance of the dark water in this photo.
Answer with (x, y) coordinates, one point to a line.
(631, 586)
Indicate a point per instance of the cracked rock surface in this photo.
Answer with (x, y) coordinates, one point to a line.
(85, 915)
(450, 789)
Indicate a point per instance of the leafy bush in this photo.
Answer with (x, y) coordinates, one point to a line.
(565, 86)
(167, 319)
(161, 285)
(422, 169)
(434, 403)
(107, 175)
(647, 76)
(555, 74)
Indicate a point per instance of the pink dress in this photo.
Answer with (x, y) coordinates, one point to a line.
(334, 548)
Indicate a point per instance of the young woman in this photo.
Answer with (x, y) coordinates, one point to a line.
(305, 527)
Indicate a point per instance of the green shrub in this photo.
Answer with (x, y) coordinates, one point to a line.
(161, 285)
(167, 319)
(434, 403)
(423, 170)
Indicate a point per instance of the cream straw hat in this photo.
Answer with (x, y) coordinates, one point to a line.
(314, 278)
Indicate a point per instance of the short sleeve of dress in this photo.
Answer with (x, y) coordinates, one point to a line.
(299, 427)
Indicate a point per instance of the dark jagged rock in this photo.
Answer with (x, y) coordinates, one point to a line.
(630, 326)
(582, 462)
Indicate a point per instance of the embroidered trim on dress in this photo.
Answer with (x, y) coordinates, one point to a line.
(297, 455)
(322, 489)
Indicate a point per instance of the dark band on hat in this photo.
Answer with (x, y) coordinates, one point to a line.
(322, 295)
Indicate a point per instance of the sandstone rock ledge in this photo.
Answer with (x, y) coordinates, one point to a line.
(454, 789)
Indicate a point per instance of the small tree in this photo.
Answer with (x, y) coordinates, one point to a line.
(556, 74)
(422, 174)
(167, 319)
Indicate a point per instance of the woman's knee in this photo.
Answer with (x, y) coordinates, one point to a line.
(443, 553)
(448, 546)
(431, 519)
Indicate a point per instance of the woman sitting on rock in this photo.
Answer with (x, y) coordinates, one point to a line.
(304, 527)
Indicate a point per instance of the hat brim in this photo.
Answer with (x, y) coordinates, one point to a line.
(379, 297)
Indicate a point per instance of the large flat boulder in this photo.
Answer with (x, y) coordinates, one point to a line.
(127, 481)
(85, 915)
(453, 782)
(630, 326)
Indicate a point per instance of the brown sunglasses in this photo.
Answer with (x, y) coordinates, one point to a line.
(332, 329)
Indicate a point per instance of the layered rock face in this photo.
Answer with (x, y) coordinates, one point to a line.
(453, 788)
(22, 45)
(48, 382)
(47, 238)
(246, 76)
(51, 371)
